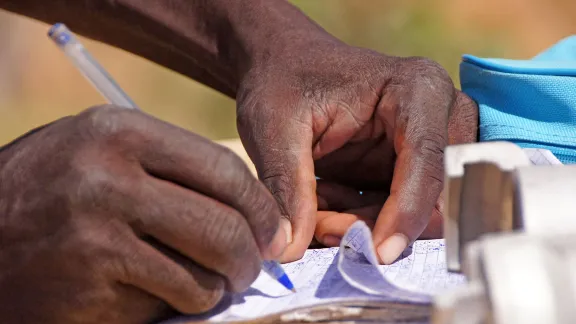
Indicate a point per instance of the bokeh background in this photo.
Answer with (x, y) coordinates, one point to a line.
(38, 84)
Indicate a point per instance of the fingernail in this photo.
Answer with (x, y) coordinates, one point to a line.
(392, 248)
(281, 239)
(331, 240)
(287, 226)
(278, 244)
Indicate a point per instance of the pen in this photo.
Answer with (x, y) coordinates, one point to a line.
(108, 88)
(88, 66)
(275, 270)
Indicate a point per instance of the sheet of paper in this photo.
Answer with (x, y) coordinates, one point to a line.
(351, 272)
(325, 275)
(542, 157)
(416, 276)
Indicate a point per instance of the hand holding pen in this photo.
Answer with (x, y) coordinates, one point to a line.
(106, 85)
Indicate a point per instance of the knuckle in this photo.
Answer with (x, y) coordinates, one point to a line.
(107, 120)
(279, 184)
(233, 172)
(429, 150)
(433, 150)
(425, 72)
(244, 118)
(466, 108)
(431, 146)
(433, 158)
(275, 175)
(93, 183)
(423, 64)
(226, 159)
(463, 121)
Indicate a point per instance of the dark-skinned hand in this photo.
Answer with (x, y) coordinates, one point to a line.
(361, 121)
(113, 216)
(340, 206)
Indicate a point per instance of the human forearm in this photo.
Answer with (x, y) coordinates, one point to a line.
(212, 41)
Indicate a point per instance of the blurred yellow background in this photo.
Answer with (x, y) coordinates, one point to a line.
(38, 84)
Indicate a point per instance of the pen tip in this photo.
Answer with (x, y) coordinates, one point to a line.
(293, 290)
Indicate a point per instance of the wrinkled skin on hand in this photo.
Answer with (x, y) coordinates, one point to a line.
(361, 121)
(340, 206)
(112, 216)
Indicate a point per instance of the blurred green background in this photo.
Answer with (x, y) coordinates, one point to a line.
(38, 84)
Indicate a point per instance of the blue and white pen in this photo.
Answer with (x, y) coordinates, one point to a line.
(275, 270)
(104, 83)
(89, 67)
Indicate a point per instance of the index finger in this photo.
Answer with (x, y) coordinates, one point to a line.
(415, 190)
(420, 135)
(173, 154)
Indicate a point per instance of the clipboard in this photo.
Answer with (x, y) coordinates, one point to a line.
(349, 311)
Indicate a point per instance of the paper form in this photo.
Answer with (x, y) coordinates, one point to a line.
(541, 157)
(351, 272)
(419, 273)
(330, 274)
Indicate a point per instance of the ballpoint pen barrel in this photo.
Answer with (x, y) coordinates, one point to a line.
(89, 68)
(274, 269)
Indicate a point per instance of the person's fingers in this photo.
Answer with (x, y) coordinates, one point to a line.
(420, 116)
(409, 206)
(340, 206)
(220, 174)
(462, 128)
(182, 284)
(463, 121)
(191, 161)
(214, 235)
(331, 226)
(281, 148)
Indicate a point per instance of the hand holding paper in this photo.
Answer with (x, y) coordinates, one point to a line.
(362, 120)
(350, 272)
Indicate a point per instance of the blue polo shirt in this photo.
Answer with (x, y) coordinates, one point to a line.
(531, 103)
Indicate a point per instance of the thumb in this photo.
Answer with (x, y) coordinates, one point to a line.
(281, 149)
